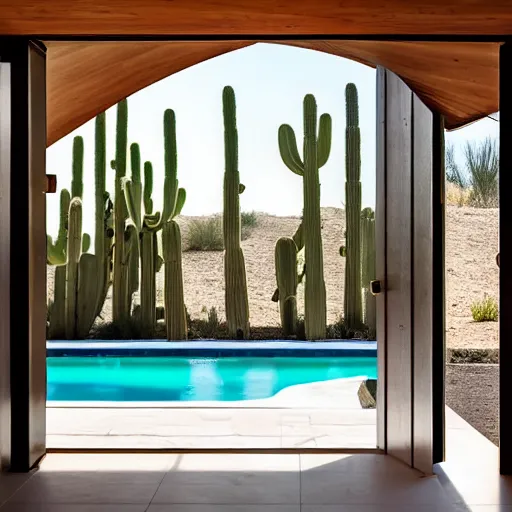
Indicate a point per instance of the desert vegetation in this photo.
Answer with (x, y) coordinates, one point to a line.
(133, 243)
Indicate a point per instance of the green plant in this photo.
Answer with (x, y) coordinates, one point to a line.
(81, 279)
(368, 268)
(148, 225)
(175, 313)
(480, 176)
(316, 153)
(249, 219)
(454, 174)
(237, 303)
(483, 165)
(352, 297)
(209, 326)
(126, 240)
(287, 281)
(205, 235)
(485, 310)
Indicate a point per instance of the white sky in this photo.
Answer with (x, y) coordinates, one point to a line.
(270, 82)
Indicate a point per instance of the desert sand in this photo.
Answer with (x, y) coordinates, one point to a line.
(471, 272)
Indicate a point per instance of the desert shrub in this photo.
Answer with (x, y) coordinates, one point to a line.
(479, 178)
(205, 235)
(339, 331)
(130, 330)
(207, 327)
(483, 165)
(249, 219)
(485, 310)
(457, 196)
(301, 328)
(454, 174)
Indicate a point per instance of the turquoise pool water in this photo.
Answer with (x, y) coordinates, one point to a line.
(137, 379)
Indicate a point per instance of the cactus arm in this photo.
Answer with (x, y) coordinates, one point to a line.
(77, 182)
(136, 183)
(148, 188)
(324, 139)
(54, 255)
(86, 242)
(180, 201)
(288, 149)
(130, 198)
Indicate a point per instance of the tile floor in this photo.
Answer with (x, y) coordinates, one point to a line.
(468, 481)
(236, 483)
(231, 483)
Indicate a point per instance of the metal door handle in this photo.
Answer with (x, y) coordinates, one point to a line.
(375, 287)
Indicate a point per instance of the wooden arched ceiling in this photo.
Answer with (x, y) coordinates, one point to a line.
(255, 17)
(460, 80)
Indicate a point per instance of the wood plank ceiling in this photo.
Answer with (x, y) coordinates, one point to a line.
(458, 79)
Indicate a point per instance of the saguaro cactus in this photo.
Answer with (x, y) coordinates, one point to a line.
(73, 255)
(125, 231)
(368, 267)
(175, 313)
(287, 281)
(352, 299)
(237, 303)
(316, 154)
(81, 279)
(149, 225)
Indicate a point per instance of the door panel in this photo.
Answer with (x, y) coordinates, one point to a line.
(410, 263)
(398, 284)
(422, 294)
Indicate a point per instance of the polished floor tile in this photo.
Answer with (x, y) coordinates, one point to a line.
(10, 483)
(232, 479)
(109, 487)
(223, 508)
(70, 507)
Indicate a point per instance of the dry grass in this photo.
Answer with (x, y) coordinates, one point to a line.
(457, 196)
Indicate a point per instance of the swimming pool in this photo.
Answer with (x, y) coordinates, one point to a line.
(138, 379)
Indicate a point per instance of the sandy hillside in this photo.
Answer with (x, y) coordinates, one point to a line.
(471, 246)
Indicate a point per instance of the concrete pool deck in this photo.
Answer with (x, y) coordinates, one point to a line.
(317, 415)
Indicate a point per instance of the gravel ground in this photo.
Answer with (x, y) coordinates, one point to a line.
(472, 391)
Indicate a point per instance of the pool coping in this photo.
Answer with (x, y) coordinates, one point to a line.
(212, 348)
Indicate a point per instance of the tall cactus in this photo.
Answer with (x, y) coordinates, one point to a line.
(56, 255)
(352, 300)
(287, 281)
(81, 279)
(148, 226)
(104, 232)
(73, 254)
(368, 268)
(175, 312)
(237, 303)
(124, 229)
(316, 154)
